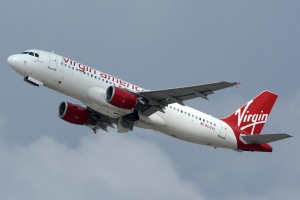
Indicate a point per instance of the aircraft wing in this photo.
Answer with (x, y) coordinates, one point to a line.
(264, 139)
(158, 99)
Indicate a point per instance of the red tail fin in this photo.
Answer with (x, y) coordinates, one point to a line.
(252, 117)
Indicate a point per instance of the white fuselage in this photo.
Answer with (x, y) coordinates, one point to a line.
(89, 85)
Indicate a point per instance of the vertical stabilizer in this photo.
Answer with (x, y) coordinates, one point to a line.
(252, 117)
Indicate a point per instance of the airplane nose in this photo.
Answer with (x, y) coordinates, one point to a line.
(13, 60)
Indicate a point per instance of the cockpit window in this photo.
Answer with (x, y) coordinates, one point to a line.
(31, 53)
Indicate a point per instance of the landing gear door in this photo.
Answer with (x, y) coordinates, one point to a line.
(52, 61)
(223, 130)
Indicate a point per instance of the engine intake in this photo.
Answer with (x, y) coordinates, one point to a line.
(120, 98)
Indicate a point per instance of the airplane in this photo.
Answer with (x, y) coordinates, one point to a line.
(112, 101)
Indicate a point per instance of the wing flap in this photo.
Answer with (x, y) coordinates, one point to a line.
(264, 139)
(100, 121)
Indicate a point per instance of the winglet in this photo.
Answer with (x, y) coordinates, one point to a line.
(237, 85)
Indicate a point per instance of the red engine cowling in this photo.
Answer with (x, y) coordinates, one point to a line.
(120, 98)
(72, 113)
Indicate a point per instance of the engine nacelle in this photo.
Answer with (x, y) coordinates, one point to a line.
(120, 98)
(74, 114)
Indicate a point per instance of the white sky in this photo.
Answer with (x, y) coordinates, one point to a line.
(154, 44)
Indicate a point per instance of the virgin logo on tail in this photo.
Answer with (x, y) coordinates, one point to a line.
(251, 117)
(248, 119)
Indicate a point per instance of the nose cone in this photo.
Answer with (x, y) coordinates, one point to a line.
(13, 61)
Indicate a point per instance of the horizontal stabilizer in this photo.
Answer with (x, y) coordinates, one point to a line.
(264, 139)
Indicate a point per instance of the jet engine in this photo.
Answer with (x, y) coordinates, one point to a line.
(74, 114)
(120, 98)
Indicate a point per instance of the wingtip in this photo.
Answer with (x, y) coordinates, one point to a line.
(288, 135)
(237, 84)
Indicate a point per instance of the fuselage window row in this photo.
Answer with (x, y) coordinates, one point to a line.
(193, 116)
